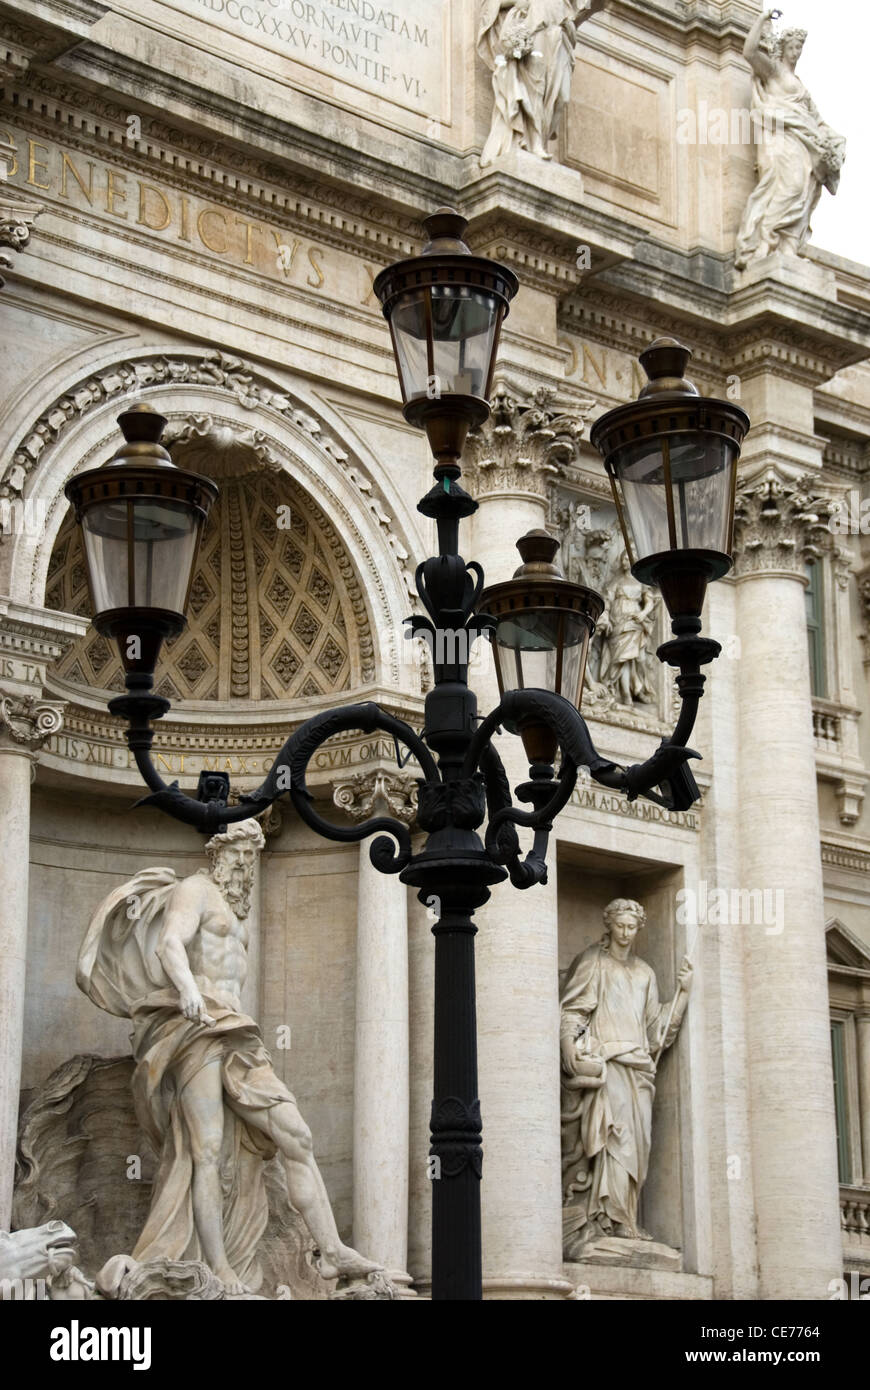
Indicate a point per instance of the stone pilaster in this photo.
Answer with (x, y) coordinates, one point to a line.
(780, 524)
(26, 721)
(381, 1066)
(862, 1037)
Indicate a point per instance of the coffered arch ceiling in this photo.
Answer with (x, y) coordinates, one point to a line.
(276, 610)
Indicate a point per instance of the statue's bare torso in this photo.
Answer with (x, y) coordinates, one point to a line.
(218, 952)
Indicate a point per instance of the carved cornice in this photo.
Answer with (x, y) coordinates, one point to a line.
(232, 732)
(794, 339)
(214, 168)
(528, 441)
(780, 524)
(360, 795)
(863, 578)
(849, 457)
(624, 325)
(27, 721)
(36, 635)
(543, 260)
(793, 354)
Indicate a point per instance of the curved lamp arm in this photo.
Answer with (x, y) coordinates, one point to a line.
(286, 775)
(666, 769)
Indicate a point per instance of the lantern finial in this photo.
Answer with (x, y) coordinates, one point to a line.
(446, 231)
(141, 423)
(665, 362)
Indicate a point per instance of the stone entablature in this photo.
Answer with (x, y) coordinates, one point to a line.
(92, 742)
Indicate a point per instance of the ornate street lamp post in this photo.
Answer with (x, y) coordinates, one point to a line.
(671, 458)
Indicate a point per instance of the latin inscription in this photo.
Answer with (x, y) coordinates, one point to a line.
(191, 761)
(76, 181)
(395, 54)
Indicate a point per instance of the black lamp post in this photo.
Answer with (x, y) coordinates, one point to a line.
(673, 457)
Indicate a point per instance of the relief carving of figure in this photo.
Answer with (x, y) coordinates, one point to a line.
(171, 955)
(613, 1032)
(529, 47)
(626, 628)
(798, 154)
(620, 668)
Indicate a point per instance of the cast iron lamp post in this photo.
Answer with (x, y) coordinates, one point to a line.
(672, 460)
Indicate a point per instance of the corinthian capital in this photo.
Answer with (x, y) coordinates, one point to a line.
(780, 523)
(372, 793)
(26, 721)
(526, 442)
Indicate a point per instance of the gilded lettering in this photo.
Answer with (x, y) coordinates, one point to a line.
(142, 220)
(67, 167)
(33, 164)
(203, 230)
(112, 192)
(250, 228)
(315, 284)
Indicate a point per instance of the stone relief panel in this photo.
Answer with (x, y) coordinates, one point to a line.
(618, 131)
(622, 672)
(272, 614)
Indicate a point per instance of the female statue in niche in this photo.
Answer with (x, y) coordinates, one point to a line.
(613, 1031)
(626, 628)
(798, 154)
(529, 47)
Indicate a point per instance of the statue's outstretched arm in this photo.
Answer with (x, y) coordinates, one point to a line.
(760, 62)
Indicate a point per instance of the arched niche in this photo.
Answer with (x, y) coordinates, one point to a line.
(209, 397)
(276, 611)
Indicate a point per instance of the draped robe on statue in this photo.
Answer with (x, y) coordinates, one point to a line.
(530, 91)
(607, 1098)
(798, 155)
(118, 968)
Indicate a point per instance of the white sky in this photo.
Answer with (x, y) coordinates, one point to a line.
(834, 67)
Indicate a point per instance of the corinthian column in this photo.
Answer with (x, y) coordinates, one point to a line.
(794, 1158)
(25, 723)
(381, 1075)
(511, 462)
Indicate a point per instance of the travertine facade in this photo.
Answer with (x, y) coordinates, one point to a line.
(199, 194)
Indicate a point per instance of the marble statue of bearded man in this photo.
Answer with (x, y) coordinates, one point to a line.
(170, 954)
(613, 1030)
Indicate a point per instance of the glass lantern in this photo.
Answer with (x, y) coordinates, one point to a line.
(445, 309)
(544, 624)
(141, 520)
(671, 457)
